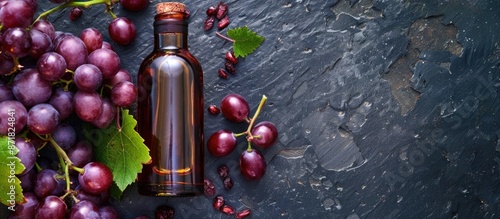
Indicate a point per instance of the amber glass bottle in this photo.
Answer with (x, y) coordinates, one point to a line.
(170, 109)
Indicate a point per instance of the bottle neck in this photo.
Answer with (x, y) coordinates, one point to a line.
(170, 33)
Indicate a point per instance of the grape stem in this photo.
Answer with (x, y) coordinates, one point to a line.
(224, 37)
(250, 137)
(84, 4)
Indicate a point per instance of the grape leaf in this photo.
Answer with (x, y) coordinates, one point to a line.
(11, 192)
(245, 41)
(123, 151)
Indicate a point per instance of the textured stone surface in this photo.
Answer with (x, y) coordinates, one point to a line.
(386, 109)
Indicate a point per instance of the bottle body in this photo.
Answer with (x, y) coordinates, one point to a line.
(170, 118)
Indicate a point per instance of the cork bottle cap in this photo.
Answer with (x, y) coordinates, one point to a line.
(167, 7)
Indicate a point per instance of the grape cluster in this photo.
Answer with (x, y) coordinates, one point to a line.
(50, 82)
(235, 108)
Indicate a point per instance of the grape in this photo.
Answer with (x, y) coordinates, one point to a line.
(96, 178)
(123, 94)
(62, 101)
(28, 180)
(134, 5)
(121, 75)
(30, 88)
(106, 60)
(75, 13)
(80, 154)
(84, 210)
(252, 164)
(107, 115)
(221, 143)
(83, 195)
(64, 136)
(16, 42)
(265, 134)
(51, 66)
(43, 119)
(73, 50)
(59, 36)
(45, 27)
(87, 77)
(108, 212)
(46, 183)
(106, 45)
(16, 14)
(92, 39)
(40, 43)
(12, 115)
(5, 92)
(27, 154)
(87, 105)
(6, 63)
(122, 30)
(51, 207)
(235, 108)
(27, 209)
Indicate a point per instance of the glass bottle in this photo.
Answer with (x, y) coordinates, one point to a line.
(170, 109)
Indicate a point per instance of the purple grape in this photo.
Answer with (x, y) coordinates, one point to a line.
(27, 154)
(81, 153)
(84, 210)
(122, 31)
(134, 5)
(96, 178)
(43, 119)
(235, 108)
(75, 13)
(6, 64)
(16, 14)
(121, 75)
(51, 207)
(46, 27)
(87, 105)
(92, 39)
(221, 143)
(83, 195)
(28, 180)
(40, 43)
(123, 94)
(27, 209)
(87, 77)
(5, 92)
(106, 60)
(107, 115)
(265, 134)
(13, 117)
(73, 50)
(30, 88)
(252, 164)
(46, 183)
(108, 212)
(62, 101)
(59, 36)
(16, 42)
(64, 135)
(51, 66)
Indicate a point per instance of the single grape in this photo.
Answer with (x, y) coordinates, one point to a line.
(30, 88)
(123, 94)
(75, 13)
(106, 60)
(27, 154)
(92, 39)
(46, 183)
(62, 101)
(108, 212)
(64, 135)
(107, 115)
(80, 154)
(46, 27)
(40, 43)
(16, 42)
(28, 180)
(14, 117)
(51, 207)
(121, 75)
(252, 164)
(265, 134)
(122, 31)
(73, 50)
(6, 63)
(43, 119)
(51, 66)
(87, 77)
(16, 14)
(59, 36)
(83, 195)
(84, 210)
(87, 105)
(134, 5)
(208, 187)
(235, 108)
(221, 143)
(27, 209)
(96, 178)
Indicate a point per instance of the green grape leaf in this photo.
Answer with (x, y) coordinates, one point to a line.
(122, 150)
(11, 192)
(245, 41)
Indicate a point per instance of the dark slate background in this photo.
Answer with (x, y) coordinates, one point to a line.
(385, 108)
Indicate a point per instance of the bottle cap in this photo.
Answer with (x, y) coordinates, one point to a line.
(167, 7)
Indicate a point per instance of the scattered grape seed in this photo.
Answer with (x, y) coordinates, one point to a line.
(164, 212)
(223, 23)
(230, 67)
(209, 23)
(213, 109)
(223, 73)
(231, 58)
(218, 202)
(243, 214)
(228, 183)
(226, 209)
(223, 171)
(222, 10)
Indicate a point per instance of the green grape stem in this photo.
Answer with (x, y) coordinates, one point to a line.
(84, 4)
(252, 122)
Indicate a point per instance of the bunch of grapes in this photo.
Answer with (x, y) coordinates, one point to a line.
(235, 108)
(51, 81)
